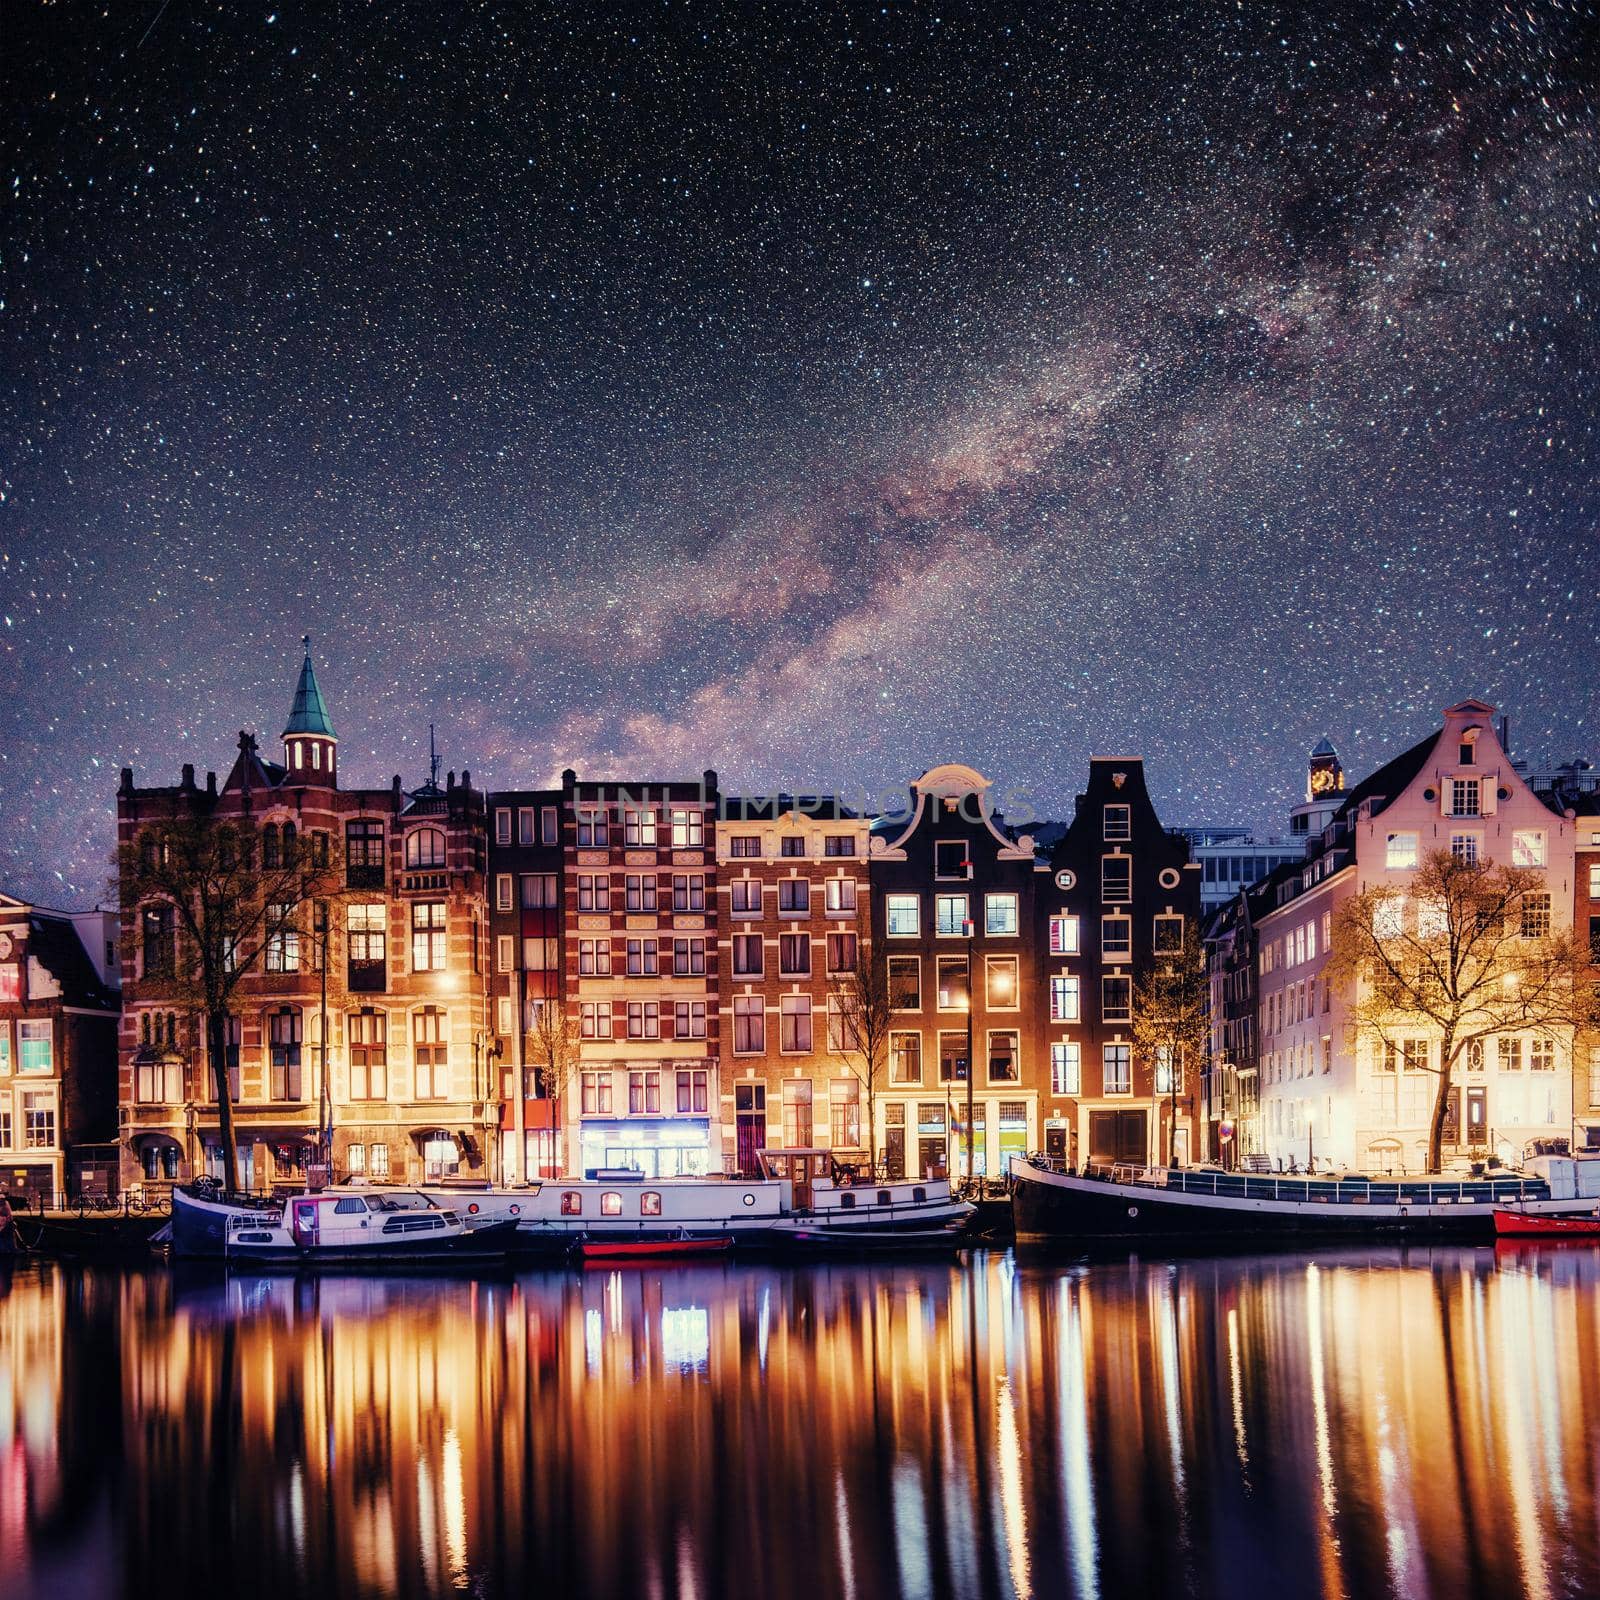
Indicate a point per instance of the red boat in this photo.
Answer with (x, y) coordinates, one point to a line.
(1533, 1225)
(648, 1249)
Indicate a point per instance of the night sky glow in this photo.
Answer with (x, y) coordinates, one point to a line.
(810, 391)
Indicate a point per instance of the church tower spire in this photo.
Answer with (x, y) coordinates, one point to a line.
(310, 747)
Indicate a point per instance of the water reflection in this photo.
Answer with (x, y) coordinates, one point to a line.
(1402, 1422)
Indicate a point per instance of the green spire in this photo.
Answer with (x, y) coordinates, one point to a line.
(310, 714)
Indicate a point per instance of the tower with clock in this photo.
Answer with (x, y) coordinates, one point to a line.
(1325, 791)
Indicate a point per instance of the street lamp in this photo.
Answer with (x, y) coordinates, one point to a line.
(968, 929)
(1311, 1140)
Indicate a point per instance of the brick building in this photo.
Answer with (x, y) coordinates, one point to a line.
(393, 959)
(526, 928)
(1121, 890)
(58, 1051)
(954, 903)
(794, 906)
(640, 923)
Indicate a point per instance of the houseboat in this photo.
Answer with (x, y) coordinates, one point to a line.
(1132, 1202)
(799, 1191)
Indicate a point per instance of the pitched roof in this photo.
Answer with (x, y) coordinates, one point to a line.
(310, 713)
(55, 944)
(1390, 780)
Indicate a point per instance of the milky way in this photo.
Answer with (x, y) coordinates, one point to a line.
(810, 392)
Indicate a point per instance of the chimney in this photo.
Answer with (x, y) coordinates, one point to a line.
(211, 784)
(1505, 734)
(127, 780)
(188, 775)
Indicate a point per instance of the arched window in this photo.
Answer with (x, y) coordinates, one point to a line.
(425, 848)
(271, 848)
(288, 844)
(440, 1156)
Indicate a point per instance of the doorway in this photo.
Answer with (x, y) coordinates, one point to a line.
(1118, 1138)
(750, 1121)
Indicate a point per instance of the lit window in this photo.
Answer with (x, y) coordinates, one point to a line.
(903, 915)
(905, 1058)
(749, 1025)
(1527, 847)
(429, 934)
(1117, 1065)
(950, 915)
(1000, 913)
(841, 894)
(1464, 847)
(794, 1023)
(425, 848)
(639, 829)
(745, 898)
(1400, 851)
(1063, 936)
(1064, 998)
(1066, 1068)
(1536, 916)
(35, 1052)
(688, 830)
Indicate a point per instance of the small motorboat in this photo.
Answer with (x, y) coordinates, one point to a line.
(1513, 1224)
(383, 1229)
(653, 1248)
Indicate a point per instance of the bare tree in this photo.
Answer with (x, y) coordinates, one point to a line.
(1466, 949)
(556, 1058)
(866, 1010)
(211, 901)
(1172, 1019)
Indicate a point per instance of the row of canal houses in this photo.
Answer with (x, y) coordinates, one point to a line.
(696, 944)
(691, 947)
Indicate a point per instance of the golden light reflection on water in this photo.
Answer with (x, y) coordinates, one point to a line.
(1409, 1423)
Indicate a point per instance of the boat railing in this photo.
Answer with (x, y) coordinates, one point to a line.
(236, 1221)
(1326, 1191)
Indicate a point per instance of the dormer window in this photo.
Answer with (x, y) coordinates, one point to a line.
(1468, 753)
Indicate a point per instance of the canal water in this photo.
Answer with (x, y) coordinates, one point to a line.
(1392, 1422)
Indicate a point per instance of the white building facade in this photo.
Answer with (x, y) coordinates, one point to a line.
(1357, 1103)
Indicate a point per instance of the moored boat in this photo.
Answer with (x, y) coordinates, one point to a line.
(1128, 1202)
(1511, 1222)
(653, 1248)
(385, 1229)
(890, 1243)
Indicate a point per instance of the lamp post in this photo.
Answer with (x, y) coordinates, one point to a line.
(1311, 1140)
(968, 929)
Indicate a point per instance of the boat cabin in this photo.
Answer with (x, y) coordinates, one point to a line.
(827, 1179)
(339, 1219)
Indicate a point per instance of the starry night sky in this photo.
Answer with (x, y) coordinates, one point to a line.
(815, 392)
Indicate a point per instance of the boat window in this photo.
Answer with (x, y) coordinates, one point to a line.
(919, 1193)
(374, 1203)
(571, 1203)
(884, 1198)
(847, 1202)
(350, 1205)
(650, 1204)
(611, 1204)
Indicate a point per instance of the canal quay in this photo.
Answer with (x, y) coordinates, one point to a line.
(1401, 1420)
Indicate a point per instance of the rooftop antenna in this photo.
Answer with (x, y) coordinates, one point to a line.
(433, 760)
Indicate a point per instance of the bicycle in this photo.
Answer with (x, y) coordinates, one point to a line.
(142, 1203)
(95, 1200)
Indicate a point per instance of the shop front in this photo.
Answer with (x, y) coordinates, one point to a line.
(655, 1147)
